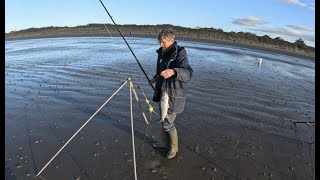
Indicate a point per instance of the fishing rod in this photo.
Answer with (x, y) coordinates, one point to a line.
(127, 45)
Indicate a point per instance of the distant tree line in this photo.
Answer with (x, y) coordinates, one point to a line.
(152, 30)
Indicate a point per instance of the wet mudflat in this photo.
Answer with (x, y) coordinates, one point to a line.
(237, 124)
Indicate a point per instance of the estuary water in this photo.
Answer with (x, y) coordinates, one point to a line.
(238, 123)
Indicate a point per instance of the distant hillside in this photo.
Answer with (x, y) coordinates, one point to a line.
(200, 34)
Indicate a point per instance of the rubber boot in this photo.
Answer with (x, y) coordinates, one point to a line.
(174, 144)
(164, 142)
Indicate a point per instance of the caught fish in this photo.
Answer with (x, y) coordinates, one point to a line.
(164, 106)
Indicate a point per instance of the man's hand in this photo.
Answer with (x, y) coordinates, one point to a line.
(167, 73)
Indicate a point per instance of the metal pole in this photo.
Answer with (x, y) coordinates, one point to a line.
(137, 99)
(132, 133)
(82, 126)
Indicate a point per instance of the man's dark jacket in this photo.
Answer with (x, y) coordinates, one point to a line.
(174, 57)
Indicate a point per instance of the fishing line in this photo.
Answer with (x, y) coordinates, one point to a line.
(150, 107)
(127, 45)
(99, 15)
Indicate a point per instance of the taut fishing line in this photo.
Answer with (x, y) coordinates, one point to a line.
(99, 15)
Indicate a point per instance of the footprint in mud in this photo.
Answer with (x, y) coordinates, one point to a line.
(38, 141)
(154, 164)
(9, 175)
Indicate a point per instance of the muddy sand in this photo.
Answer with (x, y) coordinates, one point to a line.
(238, 121)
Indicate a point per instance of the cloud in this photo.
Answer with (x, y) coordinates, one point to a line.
(249, 21)
(294, 2)
(287, 32)
(301, 27)
(311, 6)
(283, 31)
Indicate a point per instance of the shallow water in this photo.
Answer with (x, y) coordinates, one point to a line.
(234, 108)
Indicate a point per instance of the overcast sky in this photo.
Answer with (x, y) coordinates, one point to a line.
(288, 19)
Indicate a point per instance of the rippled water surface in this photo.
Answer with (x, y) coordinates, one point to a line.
(53, 85)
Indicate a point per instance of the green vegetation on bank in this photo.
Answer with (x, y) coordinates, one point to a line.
(206, 34)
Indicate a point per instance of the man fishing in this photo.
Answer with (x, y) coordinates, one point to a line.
(173, 74)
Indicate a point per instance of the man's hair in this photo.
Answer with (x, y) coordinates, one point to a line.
(166, 33)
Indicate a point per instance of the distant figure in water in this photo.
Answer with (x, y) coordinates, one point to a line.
(172, 75)
(259, 60)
